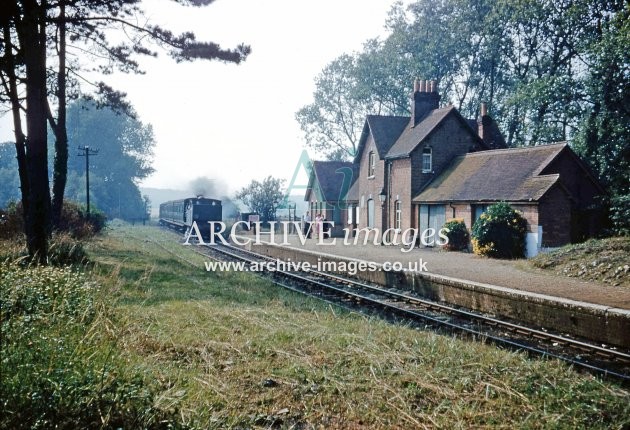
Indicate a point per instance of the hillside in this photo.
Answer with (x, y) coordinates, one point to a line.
(602, 260)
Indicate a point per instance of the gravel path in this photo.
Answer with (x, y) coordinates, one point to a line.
(514, 274)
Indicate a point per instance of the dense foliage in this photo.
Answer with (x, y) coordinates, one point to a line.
(457, 233)
(125, 152)
(10, 188)
(263, 197)
(500, 232)
(46, 51)
(73, 222)
(549, 70)
(620, 214)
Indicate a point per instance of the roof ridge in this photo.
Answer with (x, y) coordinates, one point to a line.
(444, 109)
(331, 161)
(387, 116)
(518, 148)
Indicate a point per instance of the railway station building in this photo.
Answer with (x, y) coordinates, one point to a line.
(422, 170)
(328, 186)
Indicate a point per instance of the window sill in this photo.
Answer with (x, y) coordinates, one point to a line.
(371, 177)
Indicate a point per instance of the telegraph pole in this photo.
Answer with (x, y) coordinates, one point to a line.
(86, 153)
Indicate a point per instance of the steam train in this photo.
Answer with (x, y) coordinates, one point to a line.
(180, 214)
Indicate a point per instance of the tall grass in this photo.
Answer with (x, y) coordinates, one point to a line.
(146, 338)
(235, 351)
(61, 366)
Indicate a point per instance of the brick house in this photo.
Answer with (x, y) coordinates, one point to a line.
(549, 184)
(435, 165)
(328, 185)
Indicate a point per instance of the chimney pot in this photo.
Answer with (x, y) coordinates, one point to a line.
(416, 85)
(484, 109)
(424, 100)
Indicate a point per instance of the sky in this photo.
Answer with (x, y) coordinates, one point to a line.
(234, 123)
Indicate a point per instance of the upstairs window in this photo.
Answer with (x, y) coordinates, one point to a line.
(397, 215)
(427, 160)
(371, 164)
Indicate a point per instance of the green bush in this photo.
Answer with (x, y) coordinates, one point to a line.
(620, 214)
(11, 221)
(61, 367)
(75, 221)
(500, 232)
(458, 236)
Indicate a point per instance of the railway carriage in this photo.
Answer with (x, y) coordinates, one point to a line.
(180, 214)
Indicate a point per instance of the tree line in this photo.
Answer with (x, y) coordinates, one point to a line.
(46, 48)
(125, 147)
(549, 70)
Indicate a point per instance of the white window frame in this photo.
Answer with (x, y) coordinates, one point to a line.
(425, 153)
(397, 215)
(371, 164)
(371, 214)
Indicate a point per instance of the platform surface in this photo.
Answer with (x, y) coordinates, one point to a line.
(514, 274)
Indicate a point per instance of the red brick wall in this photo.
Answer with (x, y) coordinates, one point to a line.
(461, 211)
(315, 204)
(464, 211)
(555, 217)
(449, 140)
(587, 218)
(400, 189)
(531, 214)
(370, 187)
(574, 178)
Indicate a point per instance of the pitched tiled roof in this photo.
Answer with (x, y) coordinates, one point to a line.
(330, 180)
(353, 193)
(385, 130)
(503, 174)
(411, 137)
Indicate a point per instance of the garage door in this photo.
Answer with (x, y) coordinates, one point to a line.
(432, 216)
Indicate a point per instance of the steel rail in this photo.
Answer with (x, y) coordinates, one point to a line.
(523, 330)
(539, 334)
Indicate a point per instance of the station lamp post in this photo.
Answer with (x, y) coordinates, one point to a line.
(382, 196)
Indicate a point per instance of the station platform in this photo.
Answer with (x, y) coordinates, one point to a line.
(509, 288)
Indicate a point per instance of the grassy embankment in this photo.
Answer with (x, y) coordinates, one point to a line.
(230, 350)
(602, 260)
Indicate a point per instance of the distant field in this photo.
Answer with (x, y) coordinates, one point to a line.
(603, 260)
(228, 350)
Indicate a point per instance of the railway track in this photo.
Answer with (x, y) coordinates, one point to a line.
(401, 305)
(404, 306)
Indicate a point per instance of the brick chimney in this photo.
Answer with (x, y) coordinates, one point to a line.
(425, 98)
(483, 122)
(488, 130)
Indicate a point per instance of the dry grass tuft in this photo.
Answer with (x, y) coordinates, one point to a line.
(233, 351)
